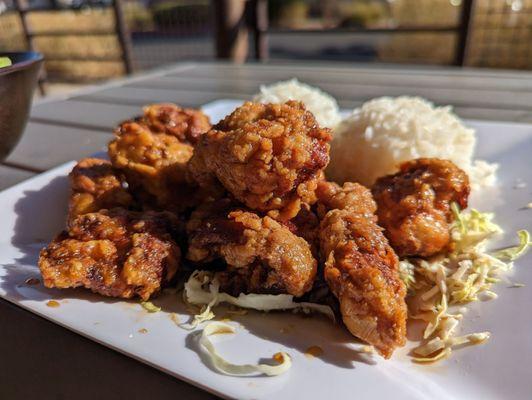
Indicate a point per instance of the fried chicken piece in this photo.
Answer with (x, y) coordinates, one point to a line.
(186, 124)
(306, 224)
(361, 268)
(155, 166)
(414, 205)
(268, 156)
(115, 253)
(351, 196)
(262, 256)
(96, 185)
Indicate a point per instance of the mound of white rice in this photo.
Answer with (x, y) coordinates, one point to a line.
(386, 131)
(322, 105)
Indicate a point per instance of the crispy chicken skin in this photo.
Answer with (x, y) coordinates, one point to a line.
(306, 224)
(115, 253)
(262, 256)
(414, 205)
(351, 196)
(186, 124)
(155, 165)
(361, 268)
(268, 156)
(96, 185)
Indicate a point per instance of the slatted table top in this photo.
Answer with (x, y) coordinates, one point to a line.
(44, 358)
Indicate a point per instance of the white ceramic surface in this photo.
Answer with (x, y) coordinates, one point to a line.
(34, 211)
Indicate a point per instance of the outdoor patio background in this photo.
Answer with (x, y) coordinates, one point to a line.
(167, 31)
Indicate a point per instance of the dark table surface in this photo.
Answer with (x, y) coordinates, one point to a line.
(45, 361)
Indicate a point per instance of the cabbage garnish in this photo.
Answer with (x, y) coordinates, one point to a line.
(207, 299)
(464, 275)
(202, 288)
(437, 349)
(406, 273)
(150, 307)
(472, 229)
(282, 359)
(514, 252)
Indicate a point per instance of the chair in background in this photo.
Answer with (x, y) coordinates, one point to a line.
(120, 30)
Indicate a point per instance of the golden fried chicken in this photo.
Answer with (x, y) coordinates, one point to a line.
(306, 224)
(262, 256)
(361, 268)
(155, 166)
(351, 196)
(115, 253)
(268, 156)
(96, 185)
(414, 205)
(186, 124)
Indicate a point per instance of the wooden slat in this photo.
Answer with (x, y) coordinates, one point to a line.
(357, 76)
(488, 114)
(90, 115)
(44, 146)
(353, 90)
(493, 114)
(10, 176)
(141, 96)
(181, 83)
(145, 95)
(326, 67)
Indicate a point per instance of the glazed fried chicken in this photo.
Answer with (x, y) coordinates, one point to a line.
(351, 196)
(155, 166)
(306, 224)
(96, 185)
(186, 124)
(262, 256)
(268, 156)
(115, 253)
(361, 268)
(414, 205)
(153, 151)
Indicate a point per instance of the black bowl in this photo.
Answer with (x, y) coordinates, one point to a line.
(17, 84)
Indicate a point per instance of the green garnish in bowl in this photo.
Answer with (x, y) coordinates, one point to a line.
(5, 62)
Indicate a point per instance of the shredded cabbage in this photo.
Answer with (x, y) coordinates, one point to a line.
(406, 273)
(472, 229)
(282, 359)
(435, 285)
(439, 346)
(464, 275)
(150, 307)
(5, 62)
(202, 288)
(512, 253)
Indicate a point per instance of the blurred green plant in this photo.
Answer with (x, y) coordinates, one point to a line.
(5, 62)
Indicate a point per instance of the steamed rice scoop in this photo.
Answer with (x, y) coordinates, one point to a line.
(386, 131)
(322, 105)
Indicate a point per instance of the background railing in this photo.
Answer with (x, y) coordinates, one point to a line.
(358, 23)
(87, 40)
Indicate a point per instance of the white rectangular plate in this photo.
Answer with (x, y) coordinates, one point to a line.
(34, 211)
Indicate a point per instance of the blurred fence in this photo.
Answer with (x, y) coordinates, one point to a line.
(161, 32)
(501, 34)
(166, 31)
(500, 31)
